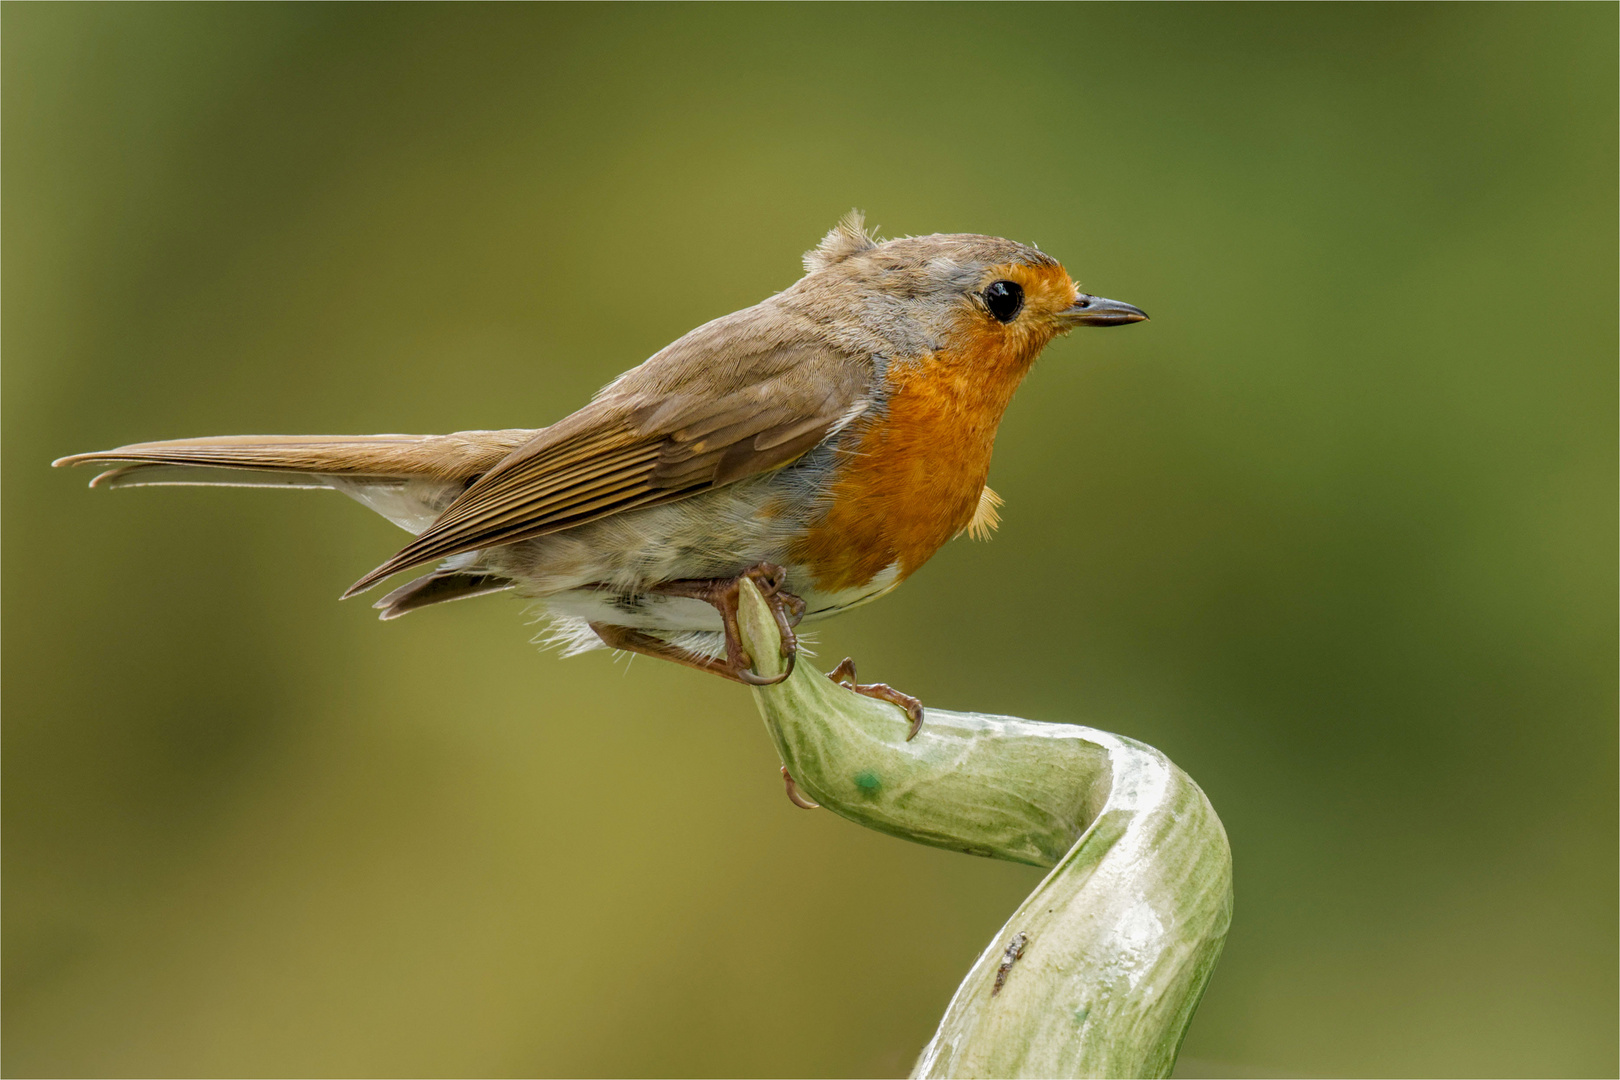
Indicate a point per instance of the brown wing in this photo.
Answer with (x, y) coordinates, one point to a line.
(680, 424)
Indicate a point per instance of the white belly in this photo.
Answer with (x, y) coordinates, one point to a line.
(652, 611)
(691, 624)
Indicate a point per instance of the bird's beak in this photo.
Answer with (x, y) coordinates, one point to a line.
(1095, 311)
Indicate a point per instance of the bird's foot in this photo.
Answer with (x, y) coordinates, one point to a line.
(803, 802)
(844, 675)
(723, 594)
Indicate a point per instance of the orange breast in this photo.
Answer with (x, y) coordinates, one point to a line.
(915, 477)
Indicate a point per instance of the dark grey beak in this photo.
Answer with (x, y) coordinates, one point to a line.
(1095, 311)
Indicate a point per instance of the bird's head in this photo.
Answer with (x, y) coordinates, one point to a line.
(994, 300)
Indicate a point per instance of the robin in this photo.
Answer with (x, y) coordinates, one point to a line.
(823, 444)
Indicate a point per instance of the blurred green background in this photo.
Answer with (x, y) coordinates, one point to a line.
(1336, 530)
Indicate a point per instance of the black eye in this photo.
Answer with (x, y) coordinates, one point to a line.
(1005, 299)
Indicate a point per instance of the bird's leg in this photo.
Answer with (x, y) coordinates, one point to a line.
(844, 675)
(723, 594)
(629, 639)
(803, 802)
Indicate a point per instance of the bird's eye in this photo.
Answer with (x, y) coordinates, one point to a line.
(1005, 299)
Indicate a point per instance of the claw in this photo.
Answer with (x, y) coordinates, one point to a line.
(803, 802)
(753, 678)
(914, 709)
(786, 608)
(844, 675)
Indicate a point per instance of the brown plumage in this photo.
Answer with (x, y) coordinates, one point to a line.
(649, 439)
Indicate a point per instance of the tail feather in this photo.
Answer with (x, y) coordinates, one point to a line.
(154, 474)
(439, 587)
(445, 457)
(406, 478)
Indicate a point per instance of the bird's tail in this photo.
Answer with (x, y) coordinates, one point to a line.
(408, 479)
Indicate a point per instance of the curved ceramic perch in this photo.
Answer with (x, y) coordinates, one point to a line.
(1101, 968)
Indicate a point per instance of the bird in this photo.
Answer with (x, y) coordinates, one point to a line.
(822, 444)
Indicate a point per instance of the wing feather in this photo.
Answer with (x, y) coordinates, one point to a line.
(652, 437)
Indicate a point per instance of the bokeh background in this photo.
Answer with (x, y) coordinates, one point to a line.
(1336, 530)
